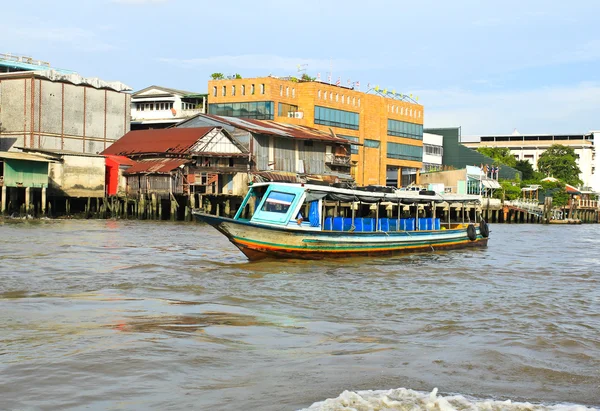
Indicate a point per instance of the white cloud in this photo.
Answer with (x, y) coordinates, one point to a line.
(545, 110)
(37, 36)
(273, 63)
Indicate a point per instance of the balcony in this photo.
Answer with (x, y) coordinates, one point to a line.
(337, 160)
(169, 114)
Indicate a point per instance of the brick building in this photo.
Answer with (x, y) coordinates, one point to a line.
(386, 127)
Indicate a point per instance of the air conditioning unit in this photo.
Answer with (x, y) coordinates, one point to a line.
(298, 114)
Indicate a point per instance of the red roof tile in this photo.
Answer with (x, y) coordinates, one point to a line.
(170, 140)
(162, 166)
(120, 160)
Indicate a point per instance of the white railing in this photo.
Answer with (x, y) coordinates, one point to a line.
(587, 204)
(531, 206)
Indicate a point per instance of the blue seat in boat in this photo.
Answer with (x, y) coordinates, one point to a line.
(384, 224)
(347, 223)
(393, 224)
(328, 225)
(423, 224)
(338, 223)
(436, 223)
(368, 224)
(407, 224)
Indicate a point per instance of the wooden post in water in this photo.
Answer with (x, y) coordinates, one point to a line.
(154, 207)
(4, 203)
(43, 208)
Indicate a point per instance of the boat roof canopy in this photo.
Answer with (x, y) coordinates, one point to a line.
(318, 192)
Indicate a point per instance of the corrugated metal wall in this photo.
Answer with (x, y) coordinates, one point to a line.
(285, 154)
(261, 152)
(25, 173)
(313, 157)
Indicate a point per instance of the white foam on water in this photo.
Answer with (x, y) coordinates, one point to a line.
(402, 399)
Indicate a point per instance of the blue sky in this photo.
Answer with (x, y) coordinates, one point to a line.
(487, 66)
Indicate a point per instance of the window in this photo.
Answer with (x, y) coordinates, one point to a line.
(405, 129)
(331, 96)
(259, 110)
(251, 88)
(359, 102)
(353, 147)
(214, 91)
(287, 91)
(286, 110)
(281, 90)
(262, 89)
(293, 92)
(224, 90)
(435, 150)
(336, 97)
(371, 143)
(404, 152)
(278, 202)
(336, 118)
(353, 101)
(151, 106)
(319, 94)
(140, 107)
(243, 90)
(233, 90)
(342, 99)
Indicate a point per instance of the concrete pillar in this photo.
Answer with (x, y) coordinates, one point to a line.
(43, 200)
(4, 204)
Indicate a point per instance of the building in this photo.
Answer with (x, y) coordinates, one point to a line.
(50, 110)
(531, 146)
(387, 127)
(161, 107)
(10, 63)
(433, 152)
(23, 180)
(457, 155)
(285, 149)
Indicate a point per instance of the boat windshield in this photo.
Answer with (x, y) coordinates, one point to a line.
(278, 202)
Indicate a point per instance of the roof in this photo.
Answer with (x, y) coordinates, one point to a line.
(58, 153)
(121, 160)
(167, 140)
(23, 156)
(72, 78)
(270, 127)
(168, 90)
(160, 166)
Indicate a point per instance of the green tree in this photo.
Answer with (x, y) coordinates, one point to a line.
(306, 77)
(238, 76)
(526, 169)
(557, 191)
(500, 155)
(560, 162)
(217, 76)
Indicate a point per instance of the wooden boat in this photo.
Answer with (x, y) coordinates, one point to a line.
(294, 220)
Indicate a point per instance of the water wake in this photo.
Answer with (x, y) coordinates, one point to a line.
(403, 399)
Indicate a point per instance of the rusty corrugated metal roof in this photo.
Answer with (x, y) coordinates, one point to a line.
(161, 166)
(163, 141)
(121, 160)
(270, 127)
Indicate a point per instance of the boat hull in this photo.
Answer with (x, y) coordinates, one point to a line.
(262, 241)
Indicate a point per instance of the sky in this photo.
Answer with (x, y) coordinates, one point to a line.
(489, 67)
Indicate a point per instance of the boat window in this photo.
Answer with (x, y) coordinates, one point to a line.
(278, 202)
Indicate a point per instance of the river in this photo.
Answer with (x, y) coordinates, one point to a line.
(120, 315)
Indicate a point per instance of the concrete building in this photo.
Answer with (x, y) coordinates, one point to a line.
(50, 110)
(388, 127)
(457, 155)
(433, 152)
(531, 146)
(161, 107)
(10, 63)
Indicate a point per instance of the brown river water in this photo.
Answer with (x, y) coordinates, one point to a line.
(129, 315)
